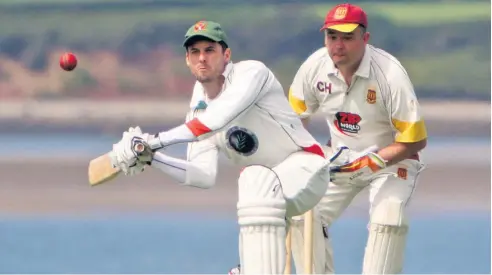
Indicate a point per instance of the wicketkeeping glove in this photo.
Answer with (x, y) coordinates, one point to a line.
(357, 171)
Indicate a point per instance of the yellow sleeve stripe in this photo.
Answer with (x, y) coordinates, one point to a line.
(298, 105)
(410, 131)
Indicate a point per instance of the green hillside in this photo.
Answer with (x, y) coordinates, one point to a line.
(445, 45)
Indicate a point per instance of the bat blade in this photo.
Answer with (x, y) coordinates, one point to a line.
(101, 170)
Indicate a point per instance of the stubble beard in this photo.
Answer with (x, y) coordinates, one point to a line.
(204, 79)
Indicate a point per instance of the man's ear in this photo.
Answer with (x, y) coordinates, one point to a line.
(366, 37)
(187, 59)
(227, 54)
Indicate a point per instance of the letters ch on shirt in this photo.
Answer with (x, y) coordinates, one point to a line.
(323, 87)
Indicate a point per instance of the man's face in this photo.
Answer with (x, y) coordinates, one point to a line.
(207, 60)
(346, 49)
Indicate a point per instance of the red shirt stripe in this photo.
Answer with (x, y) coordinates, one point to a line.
(197, 128)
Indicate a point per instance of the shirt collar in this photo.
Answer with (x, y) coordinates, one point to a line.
(365, 65)
(227, 74)
(228, 69)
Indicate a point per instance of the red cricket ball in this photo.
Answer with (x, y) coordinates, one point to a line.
(68, 61)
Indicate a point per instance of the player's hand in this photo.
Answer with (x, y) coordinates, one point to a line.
(125, 156)
(348, 168)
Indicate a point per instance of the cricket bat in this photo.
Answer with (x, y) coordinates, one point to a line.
(101, 169)
(288, 258)
(308, 241)
(308, 246)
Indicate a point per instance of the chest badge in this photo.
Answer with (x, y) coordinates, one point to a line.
(242, 140)
(371, 96)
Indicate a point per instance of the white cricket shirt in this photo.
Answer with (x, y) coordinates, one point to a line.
(250, 121)
(378, 108)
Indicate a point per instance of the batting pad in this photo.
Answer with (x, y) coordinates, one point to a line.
(387, 238)
(261, 218)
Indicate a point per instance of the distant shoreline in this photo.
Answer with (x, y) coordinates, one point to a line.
(461, 118)
(62, 111)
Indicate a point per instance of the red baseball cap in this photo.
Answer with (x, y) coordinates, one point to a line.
(345, 18)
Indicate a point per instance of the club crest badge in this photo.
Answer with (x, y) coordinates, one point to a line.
(242, 140)
(402, 173)
(200, 26)
(371, 96)
(340, 13)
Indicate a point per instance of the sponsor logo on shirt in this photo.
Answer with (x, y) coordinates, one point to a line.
(347, 123)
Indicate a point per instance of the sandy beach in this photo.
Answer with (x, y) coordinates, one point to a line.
(60, 187)
(32, 186)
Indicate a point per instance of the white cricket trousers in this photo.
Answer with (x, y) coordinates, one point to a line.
(400, 185)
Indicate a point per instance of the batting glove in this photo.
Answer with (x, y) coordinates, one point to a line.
(131, 153)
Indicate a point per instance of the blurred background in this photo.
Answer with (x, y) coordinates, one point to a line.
(131, 71)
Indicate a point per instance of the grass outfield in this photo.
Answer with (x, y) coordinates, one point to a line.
(7, 3)
(115, 23)
(75, 24)
(447, 71)
(422, 13)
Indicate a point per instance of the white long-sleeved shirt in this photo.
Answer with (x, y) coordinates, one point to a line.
(250, 121)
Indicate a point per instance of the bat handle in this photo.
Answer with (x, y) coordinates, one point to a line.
(139, 147)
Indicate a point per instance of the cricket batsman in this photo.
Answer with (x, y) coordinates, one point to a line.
(239, 109)
(368, 101)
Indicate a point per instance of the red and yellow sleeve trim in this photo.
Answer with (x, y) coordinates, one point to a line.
(298, 105)
(410, 131)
